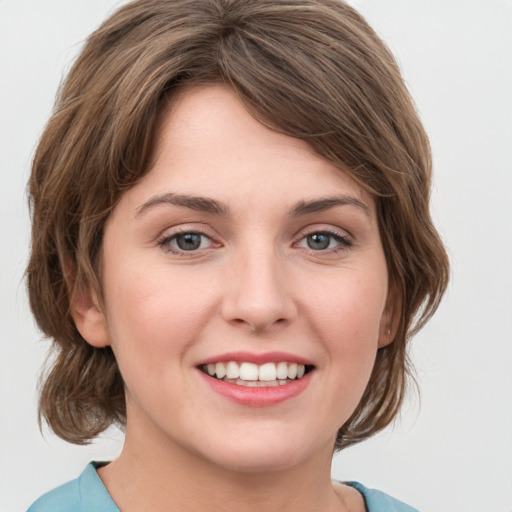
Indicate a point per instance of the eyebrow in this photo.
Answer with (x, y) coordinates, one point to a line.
(326, 203)
(208, 205)
(201, 204)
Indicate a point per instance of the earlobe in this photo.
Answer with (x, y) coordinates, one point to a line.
(385, 335)
(390, 320)
(89, 318)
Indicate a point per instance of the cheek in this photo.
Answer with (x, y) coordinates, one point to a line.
(152, 326)
(346, 315)
(351, 308)
(150, 312)
(349, 331)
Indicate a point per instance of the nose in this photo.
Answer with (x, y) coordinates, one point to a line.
(258, 294)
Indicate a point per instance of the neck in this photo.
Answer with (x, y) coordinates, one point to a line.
(149, 477)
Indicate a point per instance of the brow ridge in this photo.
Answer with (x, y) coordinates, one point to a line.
(326, 203)
(202, 204)
(209, 205)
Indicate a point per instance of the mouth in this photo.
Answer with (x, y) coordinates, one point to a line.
(243, 373)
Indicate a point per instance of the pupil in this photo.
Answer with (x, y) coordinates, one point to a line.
(318, 241)
(189, 241)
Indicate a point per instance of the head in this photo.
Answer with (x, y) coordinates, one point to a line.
(313, 70)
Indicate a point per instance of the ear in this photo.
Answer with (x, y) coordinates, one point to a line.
(390, 319)
(89, 317)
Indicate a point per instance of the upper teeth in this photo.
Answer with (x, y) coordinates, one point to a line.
(251, 371)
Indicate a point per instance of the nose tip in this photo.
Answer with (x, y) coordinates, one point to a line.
(258, 297)
(259, 317)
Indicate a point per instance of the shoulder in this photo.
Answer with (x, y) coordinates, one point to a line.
(84, 494)
(62, 499)
(378, 501)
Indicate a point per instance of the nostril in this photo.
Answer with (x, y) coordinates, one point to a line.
(258, 325)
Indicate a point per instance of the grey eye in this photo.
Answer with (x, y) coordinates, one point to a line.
(324, 241)
(318, 241)
(188, 241)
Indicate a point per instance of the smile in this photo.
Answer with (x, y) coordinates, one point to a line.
(256, 375)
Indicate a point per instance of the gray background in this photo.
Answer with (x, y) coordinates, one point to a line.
(451, 453)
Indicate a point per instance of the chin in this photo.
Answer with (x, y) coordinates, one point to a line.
(259, 454)
(259, 462)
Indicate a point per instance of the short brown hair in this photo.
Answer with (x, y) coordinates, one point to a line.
(312, 69)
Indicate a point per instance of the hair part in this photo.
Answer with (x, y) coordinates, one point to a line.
(311, 69)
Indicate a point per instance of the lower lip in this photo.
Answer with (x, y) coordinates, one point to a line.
(260, 396)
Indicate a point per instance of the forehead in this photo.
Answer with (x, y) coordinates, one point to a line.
(211, 117)
(208, 142)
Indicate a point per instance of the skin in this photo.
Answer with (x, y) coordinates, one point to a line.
(254, 284)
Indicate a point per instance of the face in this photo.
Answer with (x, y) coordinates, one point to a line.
(245, 290)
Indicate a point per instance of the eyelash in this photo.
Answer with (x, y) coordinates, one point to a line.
(342, 240)
(166, 241)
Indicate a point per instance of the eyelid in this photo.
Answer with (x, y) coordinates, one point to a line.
(185, 227)
(164, 240)
(344, 239)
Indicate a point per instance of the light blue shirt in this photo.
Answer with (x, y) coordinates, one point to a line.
(88, 494)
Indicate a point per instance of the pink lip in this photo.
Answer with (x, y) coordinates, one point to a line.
(256, 397)
(267, 357)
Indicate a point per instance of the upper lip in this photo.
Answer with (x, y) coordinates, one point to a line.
(250, 357)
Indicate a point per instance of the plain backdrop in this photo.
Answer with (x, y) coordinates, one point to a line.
(451, 451)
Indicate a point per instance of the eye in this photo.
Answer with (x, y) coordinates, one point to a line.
(324, 241)
(188, 241)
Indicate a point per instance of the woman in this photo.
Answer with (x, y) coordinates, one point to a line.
(231, 248)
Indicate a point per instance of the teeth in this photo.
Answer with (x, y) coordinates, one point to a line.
(250, 374)
(292, 371)
(232, 370)
(258, 383)
(248, 371)
(267, 372)
(220, 370)
(282, 370)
